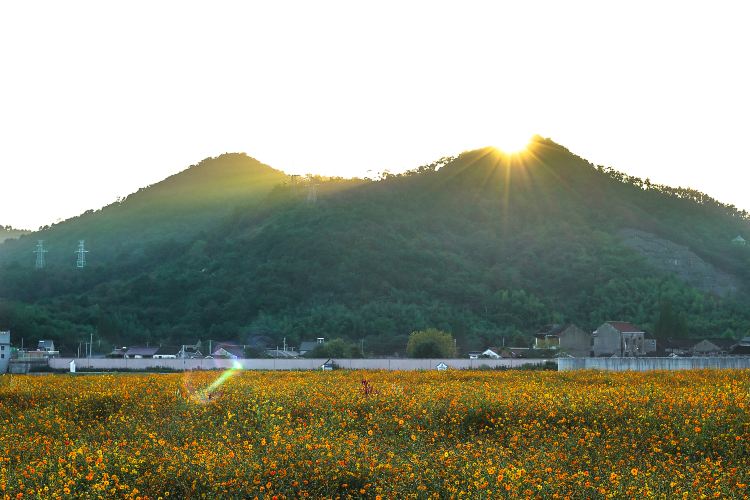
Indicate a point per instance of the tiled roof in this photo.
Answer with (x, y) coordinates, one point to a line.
(624, 326)
(141, 351)
(721, 343)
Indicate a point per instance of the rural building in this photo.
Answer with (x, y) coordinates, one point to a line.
(649, 344)
(190, 352)
(228, 351)
(167, 352)
(618, 338)
(46, 346)
(514, 352)
(492, 353)
(677, 347)
(4, 351)
(134, 352)
(713, 347)
(739, 240)
(309, 345)
(281, 353)
(567, 339)
(742, 348)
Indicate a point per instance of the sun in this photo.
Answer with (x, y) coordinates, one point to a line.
(513, 143)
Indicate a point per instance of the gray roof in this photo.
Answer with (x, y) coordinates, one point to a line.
(307, 345)
(141, 351)
(168, 350)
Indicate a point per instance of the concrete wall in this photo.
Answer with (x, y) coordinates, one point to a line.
(285, 364)
(646, 364)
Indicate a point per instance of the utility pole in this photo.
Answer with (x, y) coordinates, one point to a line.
(91, 343)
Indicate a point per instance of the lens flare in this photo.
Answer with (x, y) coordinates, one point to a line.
(210, 393)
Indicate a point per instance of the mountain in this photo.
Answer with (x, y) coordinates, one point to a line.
(485, 245)
(173, 210)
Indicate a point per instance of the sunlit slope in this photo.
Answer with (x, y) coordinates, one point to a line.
(176, 208)
(485, 245)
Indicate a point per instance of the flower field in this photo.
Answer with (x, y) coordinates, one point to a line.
(473, 434)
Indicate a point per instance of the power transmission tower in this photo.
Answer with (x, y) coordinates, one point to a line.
(40, 251)
(294, 181)
(312, 193)
(81, 261)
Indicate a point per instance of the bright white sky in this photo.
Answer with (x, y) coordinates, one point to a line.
(100, 98)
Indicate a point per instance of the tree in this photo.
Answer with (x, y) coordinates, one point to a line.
(670, 324)
(431, 343)
(336, 348)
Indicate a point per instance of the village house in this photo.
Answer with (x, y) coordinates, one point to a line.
(677, 347)
(742, 348)
(621, 339)
(4, 351)
(714, 347)
(568, 339)
(279, 353)
(167, 352)
(309, 345)
(134, 352)
(190, 352)
(228, 351)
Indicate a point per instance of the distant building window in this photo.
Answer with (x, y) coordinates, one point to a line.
(2, 356)
(2, 348)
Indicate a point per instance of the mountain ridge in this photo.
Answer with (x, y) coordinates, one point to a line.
(484, 244)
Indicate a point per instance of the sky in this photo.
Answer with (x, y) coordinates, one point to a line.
(98, 99)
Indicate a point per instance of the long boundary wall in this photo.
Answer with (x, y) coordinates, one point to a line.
(286, 364)
(647, 364)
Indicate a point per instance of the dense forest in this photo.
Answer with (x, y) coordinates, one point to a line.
(487, 246)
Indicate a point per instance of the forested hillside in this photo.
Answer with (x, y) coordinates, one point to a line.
(484, 245)
(8, 232)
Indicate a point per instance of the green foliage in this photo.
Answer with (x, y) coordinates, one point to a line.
(477, 245)
(669, 324)
(336, 348)
(431, 343)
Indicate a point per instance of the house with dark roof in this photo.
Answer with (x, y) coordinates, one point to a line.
(676, 347)
(568, 339)
(309, 345)
(714, 347)
(167, 352)
(134, 352)
(281, 353)
(619, 338)
(229, 351)
(741, 349)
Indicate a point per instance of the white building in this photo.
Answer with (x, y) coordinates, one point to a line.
(4, 351)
